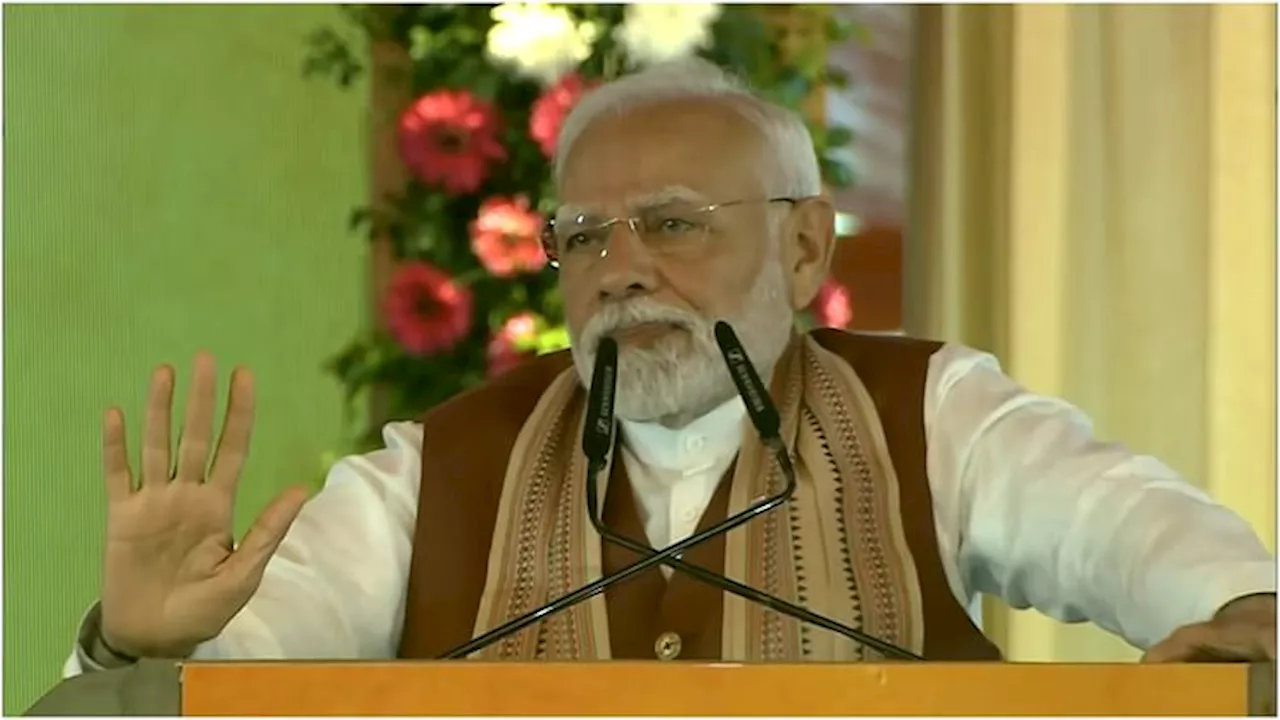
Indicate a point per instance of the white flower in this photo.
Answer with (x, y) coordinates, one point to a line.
(540, 41)
(652, 33)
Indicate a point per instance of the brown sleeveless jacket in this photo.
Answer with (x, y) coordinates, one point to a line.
(467, 442)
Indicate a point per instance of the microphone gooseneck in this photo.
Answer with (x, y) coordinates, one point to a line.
(667, 554)
(597, 445)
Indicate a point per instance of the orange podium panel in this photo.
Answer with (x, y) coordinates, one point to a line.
(676, 688)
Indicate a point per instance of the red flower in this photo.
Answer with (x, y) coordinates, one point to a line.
(506, 237)
(550, 110)
(505, 346)
(425, 309)
(449, 139)
(832, 306)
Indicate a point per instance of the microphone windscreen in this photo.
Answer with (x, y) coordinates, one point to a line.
(597, 431)
(754, 394)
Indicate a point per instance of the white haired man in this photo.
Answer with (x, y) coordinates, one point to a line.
(927, 477)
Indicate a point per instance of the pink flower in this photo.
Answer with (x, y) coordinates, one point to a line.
(832, 306)
(506, 236)
(504, 347)
(425, 310)
(550, 110)
(449, 139)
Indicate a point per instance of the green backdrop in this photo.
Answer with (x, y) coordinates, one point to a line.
(171, 183)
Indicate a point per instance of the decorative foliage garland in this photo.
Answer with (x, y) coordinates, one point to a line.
(471, 295)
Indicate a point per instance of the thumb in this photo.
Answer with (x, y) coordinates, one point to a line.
(250, 559)
(1179, 646)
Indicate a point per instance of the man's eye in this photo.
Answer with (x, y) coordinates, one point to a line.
(674, 225)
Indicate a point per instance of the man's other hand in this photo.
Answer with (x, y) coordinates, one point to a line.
(1244, 630)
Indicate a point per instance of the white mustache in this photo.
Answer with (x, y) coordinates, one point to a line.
(615, 317)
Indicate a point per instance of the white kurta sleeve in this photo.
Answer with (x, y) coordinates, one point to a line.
(1032, 508)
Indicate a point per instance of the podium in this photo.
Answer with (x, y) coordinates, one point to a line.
(157, 687)
(676, 688)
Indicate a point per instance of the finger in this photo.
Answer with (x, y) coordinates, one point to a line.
(155, 442)
(197, 425)
(1180, 645)
(237, 429)
(249, 560)
(1209, 642)
(115, 456)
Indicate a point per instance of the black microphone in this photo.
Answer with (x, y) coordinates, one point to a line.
(754, 393)
(597, 432)
(597, 440)
(597, 445)
(670, 552)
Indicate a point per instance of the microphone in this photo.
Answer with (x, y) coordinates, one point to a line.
(592, 589)
(597, 431)
(754, 394)
(597, 442)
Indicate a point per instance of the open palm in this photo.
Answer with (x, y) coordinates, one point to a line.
(172, 575)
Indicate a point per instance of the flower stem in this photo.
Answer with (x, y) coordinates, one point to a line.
(611, 65)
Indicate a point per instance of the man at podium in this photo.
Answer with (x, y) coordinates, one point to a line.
(923, 476)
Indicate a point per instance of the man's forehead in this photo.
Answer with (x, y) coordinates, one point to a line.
(621, 159)
(635, 201)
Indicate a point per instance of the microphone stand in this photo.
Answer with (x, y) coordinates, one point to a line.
(728, 584)
(595, 588)
(597, 444)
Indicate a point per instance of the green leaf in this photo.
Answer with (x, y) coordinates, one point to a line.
(836, 78)
(553, 339)
(359, 217)
(331, 55)
(421, 42)
(485, 85)
(838, 136)
(792, 89)
(835, 173)
(838, 31)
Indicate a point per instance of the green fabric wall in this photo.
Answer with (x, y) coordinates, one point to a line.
(171, 183)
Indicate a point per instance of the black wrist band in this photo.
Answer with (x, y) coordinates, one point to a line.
(123, 657)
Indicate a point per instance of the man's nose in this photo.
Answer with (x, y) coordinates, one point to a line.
(626, 266)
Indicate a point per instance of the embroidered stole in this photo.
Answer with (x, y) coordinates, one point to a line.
(837, 547)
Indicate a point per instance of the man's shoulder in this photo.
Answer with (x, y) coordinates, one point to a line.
(877, 350)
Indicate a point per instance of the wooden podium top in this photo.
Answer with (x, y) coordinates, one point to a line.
(675, 688)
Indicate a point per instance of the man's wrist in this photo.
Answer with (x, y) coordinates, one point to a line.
(1253, 603)
(111, 649)
(93, 647)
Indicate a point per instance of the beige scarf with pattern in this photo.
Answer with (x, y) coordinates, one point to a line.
(837, 547)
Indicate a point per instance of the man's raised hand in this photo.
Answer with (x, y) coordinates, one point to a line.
(172, 576)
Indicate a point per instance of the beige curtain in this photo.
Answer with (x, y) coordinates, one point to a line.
(1093, 199)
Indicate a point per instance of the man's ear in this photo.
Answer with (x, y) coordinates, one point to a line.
(807, 245)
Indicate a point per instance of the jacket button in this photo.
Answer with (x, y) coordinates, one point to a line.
(667, 646)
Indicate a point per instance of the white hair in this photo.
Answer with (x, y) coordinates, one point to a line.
(787, 138)
(671, 382)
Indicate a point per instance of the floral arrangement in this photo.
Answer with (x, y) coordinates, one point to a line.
(471, 296)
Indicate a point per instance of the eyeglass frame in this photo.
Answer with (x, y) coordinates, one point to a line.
(548, 237)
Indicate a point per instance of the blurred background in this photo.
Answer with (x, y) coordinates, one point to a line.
(1089, 192)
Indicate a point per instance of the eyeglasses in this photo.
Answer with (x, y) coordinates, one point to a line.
(671, 229)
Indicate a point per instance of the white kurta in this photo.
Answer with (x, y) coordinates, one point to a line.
(1028, 506)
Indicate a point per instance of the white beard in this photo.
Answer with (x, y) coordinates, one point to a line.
(674, 381)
